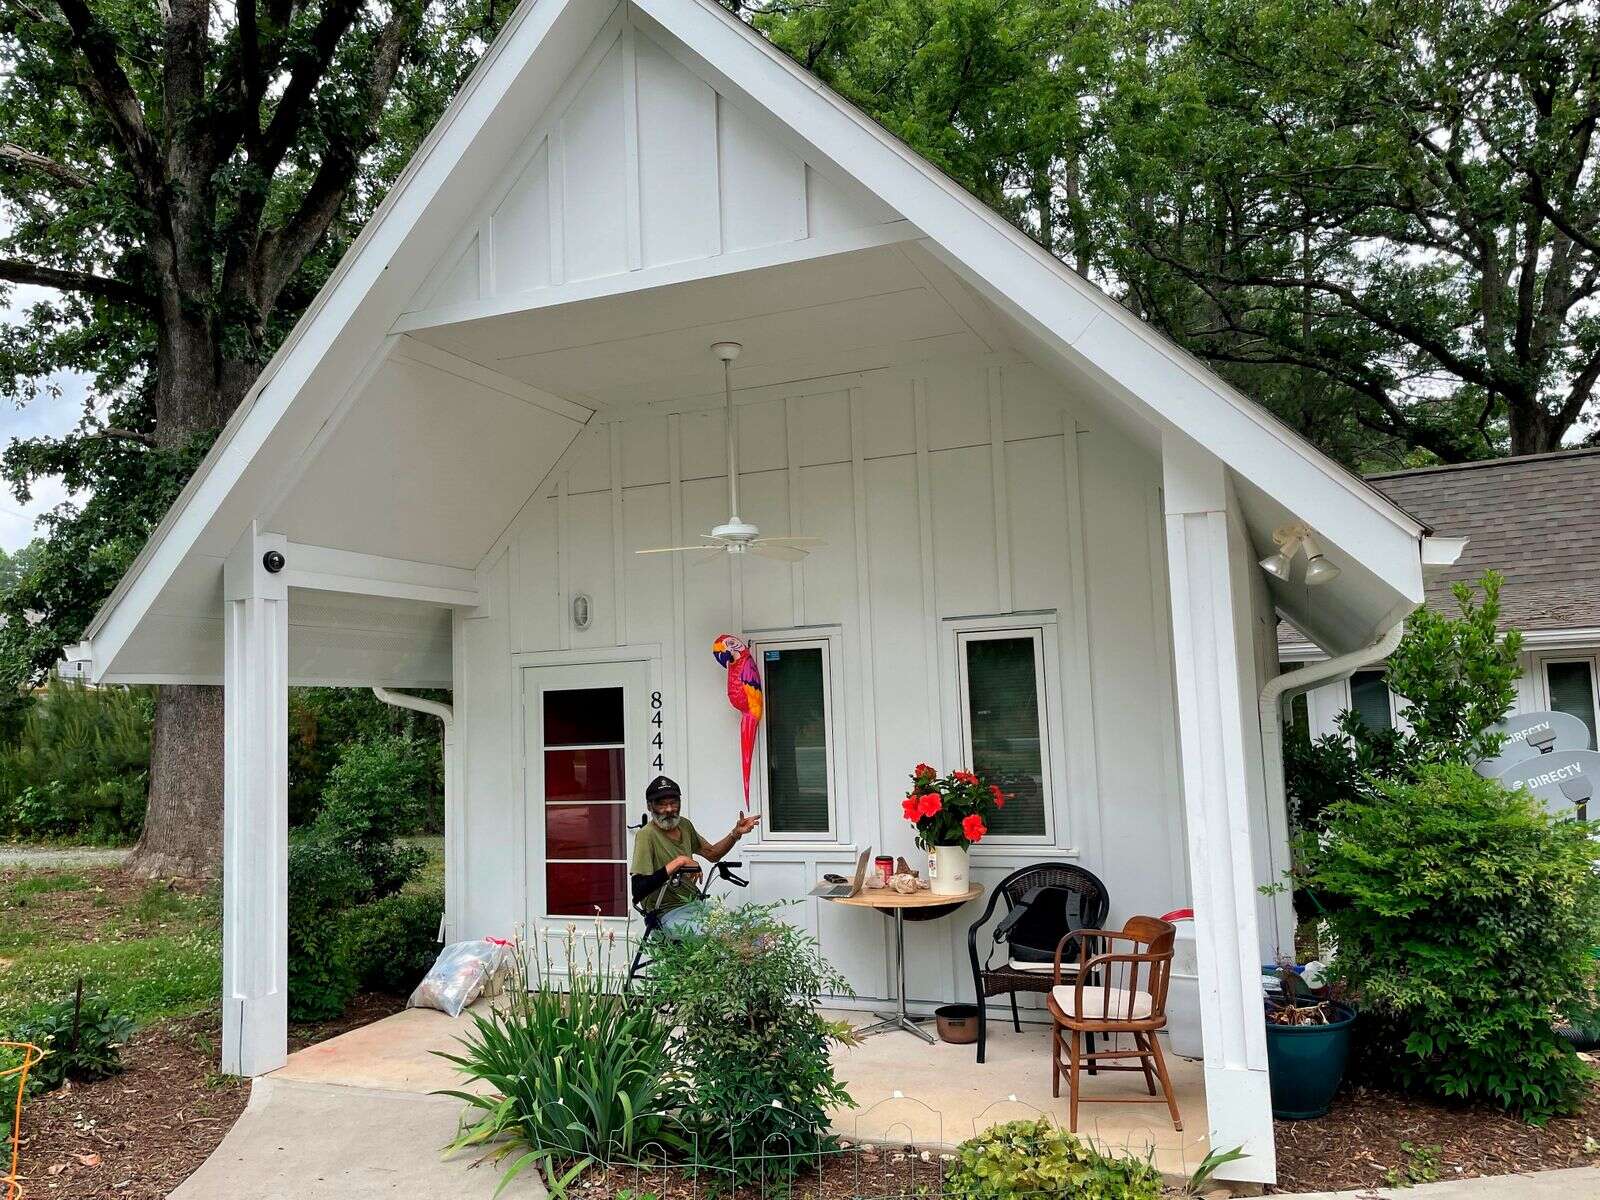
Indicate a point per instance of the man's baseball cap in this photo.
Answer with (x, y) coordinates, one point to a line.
(661, 788)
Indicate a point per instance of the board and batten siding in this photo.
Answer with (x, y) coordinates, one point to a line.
(968, 489)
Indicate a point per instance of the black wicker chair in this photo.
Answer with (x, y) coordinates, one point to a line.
(1093, 903)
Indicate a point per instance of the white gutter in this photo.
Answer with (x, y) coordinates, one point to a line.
(1280, 687)
(454, 863)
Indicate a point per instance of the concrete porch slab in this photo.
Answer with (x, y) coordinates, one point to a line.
(318, 1141)
(907, 1090)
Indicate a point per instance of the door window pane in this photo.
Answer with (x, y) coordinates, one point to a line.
(583, 717)
(577, 889)
(583, 775)
(1003, 708)
(585, 831)
(1572, 692)
(797, 740)
(1369, 697)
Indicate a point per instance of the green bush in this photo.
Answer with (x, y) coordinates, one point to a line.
(744, 994)
(376, 794)
(322, 721)
(325, 880)
(391, 943)
(79, 764)
(579, 1074)
(1031, 1160)
(80, 1043)
(1464, 914)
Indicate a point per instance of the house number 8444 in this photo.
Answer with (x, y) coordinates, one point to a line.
(655, 734)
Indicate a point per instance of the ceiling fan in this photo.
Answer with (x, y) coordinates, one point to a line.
(736, 536)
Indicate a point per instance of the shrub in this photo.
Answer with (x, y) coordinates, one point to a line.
(78, 766)
(744, 995)
(391, 943)
(82, 1041)
(579, 1074)
(1464, 914)
(376, 794)
(322, 721)
(1028, 1160)
(324, 881)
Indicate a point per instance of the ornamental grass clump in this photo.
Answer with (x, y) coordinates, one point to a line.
(743, 994)
(1464, 916)
(580, 1073)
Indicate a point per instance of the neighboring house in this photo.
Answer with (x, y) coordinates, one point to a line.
(1536, 520)
(1042, 523)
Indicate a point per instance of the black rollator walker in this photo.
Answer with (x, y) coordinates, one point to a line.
(652, 918)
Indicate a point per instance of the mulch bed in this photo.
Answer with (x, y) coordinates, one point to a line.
(1373, 1138)
(874, 1171)
(137, 1135)
(80, 914)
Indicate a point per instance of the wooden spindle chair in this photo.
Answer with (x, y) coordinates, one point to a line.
(1118, 989)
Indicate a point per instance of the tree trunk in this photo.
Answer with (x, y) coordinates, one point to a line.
(183, 820)
(1532, 429)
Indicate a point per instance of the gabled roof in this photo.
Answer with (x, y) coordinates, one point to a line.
(1534, 518)
(349, 330)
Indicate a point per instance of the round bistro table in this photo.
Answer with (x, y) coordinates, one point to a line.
(890, 902)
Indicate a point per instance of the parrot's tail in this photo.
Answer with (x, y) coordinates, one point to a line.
(747, 745)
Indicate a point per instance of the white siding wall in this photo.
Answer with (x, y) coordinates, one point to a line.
(965, 490)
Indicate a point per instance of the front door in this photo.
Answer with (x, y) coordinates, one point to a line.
(586, 737)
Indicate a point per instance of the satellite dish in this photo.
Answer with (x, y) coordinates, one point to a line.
(1531, 735)
(1567, 781)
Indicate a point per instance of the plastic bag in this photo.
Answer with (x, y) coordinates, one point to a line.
(461, 974)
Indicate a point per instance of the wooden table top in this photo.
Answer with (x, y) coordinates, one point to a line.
(889, 898)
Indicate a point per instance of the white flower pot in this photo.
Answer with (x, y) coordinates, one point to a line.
(948, 871)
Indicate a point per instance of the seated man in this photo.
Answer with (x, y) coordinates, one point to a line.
(668, 842)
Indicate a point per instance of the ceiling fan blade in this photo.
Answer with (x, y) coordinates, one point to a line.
(712, 553)
(782, 553)
(678, 549)
(790, 540)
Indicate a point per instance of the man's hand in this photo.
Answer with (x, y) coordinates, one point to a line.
(683, 860)
(745, 824)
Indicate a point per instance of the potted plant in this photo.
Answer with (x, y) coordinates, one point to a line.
(950, 813)
(1308, 1041)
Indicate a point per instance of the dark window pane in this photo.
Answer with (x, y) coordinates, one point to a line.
(1369, 697)
(577, 889)
(1003, 717)
(584, 775)
(797, 741)
(1572, 692)
(585, 831)
(583, 717)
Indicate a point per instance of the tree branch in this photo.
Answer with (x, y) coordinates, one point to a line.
(17, 271)
(28, 160)
(109, 86)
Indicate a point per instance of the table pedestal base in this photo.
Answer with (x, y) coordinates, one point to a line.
(889, 1022)
(900, 1019)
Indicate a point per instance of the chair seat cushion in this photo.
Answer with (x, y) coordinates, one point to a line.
(1041, 968)
(1095, 1002)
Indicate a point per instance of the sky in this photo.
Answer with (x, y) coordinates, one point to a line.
(46, 416)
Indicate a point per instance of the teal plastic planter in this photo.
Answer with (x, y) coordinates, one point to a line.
(1305, 1064)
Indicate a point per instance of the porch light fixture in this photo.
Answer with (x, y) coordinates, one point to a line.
(1290, 540)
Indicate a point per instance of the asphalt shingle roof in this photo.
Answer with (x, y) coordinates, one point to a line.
(1535, 519)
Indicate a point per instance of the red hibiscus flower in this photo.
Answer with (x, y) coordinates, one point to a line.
(999, 796)
(973, 828)
(909, 806)
(924, 771)
(964, 777)
(931, 804)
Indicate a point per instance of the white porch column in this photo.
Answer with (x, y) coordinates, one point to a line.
(1214, 667)
(255, 818)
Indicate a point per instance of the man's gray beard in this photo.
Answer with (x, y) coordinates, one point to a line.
(667, 824)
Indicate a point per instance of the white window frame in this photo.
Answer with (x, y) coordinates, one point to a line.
(1592, 661)
(828, 640)
(1041, 627)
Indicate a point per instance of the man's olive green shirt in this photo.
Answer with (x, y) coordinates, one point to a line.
(653, 849)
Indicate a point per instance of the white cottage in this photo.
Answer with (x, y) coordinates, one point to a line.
(507, 389)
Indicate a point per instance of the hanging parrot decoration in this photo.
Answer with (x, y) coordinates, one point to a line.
(744, 693)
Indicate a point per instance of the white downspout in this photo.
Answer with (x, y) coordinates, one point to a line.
(453, 865)
(1280, 687)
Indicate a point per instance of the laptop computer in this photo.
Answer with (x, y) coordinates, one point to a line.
(842, 891)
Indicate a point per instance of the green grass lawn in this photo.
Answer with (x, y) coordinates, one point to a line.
(149, 950)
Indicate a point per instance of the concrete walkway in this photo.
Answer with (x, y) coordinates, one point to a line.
(1579, 1183)
(57, 857)
(318, 1141)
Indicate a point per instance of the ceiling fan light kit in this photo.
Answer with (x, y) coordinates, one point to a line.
(736, 535)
